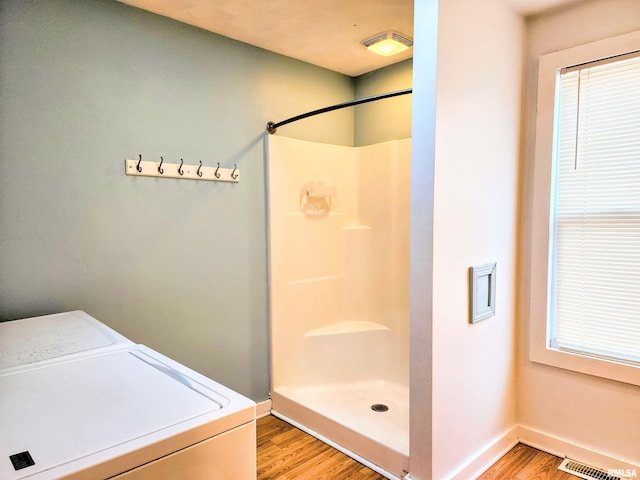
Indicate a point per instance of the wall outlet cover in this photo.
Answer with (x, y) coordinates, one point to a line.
(482, 292)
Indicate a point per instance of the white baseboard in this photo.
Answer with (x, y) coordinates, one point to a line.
(484, 457)
(564, 448)
(263, 408)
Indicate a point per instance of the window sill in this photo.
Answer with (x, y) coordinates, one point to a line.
(576, 362)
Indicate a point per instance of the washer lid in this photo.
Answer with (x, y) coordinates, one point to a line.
(63, 412)
(36, 339)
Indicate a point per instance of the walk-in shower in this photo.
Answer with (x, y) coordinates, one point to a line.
(339, 296)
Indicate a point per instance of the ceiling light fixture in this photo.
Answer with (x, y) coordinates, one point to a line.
(387, 43)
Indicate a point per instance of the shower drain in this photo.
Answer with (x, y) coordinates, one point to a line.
(379, 407)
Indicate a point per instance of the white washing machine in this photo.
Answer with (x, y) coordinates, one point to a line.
(79, 401)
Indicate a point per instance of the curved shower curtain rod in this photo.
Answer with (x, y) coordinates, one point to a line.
(272, 127)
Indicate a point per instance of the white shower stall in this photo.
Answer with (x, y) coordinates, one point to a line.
(339, 294)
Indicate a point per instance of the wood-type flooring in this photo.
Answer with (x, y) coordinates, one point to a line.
(287, 453)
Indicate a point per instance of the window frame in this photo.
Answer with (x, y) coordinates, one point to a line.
(540, 291)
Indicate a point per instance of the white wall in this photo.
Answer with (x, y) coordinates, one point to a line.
(478, 111)
(421, 236)
(558, 409)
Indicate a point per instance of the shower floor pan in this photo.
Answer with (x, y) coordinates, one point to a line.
(344, 415)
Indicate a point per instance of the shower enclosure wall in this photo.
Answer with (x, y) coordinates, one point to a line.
(339, 296)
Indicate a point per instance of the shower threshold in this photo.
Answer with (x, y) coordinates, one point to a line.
(343, 414)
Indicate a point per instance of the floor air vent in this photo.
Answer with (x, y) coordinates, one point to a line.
(584, 471)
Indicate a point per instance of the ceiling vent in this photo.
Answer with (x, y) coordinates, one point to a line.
(387, 43)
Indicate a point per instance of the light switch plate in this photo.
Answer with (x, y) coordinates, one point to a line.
(482, 292)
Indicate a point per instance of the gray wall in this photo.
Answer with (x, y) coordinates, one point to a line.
(388, 119)
(177, 265)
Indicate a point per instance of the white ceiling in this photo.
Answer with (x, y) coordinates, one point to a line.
(323, 32)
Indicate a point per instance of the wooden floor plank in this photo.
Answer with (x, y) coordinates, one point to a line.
(269, 427)
(541, 467)
(287, 453)
(509, 465)
(526, 463)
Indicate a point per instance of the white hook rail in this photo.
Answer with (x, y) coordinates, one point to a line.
(144, 168)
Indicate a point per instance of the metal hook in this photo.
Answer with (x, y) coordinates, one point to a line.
(234, 172)
(180, 171)
(160, 170)
(139, 168)
(199, 172)
(216, 172)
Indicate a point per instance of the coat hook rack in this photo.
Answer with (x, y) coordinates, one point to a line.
(145, 168)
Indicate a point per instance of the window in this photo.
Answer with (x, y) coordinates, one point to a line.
(585, 290)
(595, 302)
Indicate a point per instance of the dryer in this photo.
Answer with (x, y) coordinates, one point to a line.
(80, 401)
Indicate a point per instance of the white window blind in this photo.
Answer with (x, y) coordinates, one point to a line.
(595, 288)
